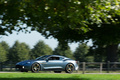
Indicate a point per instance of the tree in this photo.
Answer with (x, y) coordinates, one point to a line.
(118, 51)
(98, 53)
(106, 32)
(19, 52)
(68, 20)
(81, 52)
(40, 49)
(48, 14)
(6, 47)
(59, 50)
(3, 56)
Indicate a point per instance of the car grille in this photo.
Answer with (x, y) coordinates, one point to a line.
(18, 66)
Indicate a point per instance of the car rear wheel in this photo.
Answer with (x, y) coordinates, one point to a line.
(35, 67)
(69, 68)
(57, 71)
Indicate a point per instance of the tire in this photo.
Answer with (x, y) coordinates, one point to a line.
(57, 71)
(35, 67)
(69, 68)
(24, 70)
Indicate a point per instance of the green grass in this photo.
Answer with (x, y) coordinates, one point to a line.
(51, 76)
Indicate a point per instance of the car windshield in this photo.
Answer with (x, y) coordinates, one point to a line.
(42, 57)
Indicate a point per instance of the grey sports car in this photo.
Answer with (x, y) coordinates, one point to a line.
(54, 63)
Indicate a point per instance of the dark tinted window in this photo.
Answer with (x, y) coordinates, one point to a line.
(43, 57)
(54, 58)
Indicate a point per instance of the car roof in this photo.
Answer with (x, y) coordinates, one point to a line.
(58, 56)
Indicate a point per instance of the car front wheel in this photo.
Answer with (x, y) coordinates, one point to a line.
(35, 67)
(69, 68)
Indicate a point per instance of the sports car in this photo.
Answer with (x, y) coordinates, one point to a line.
(54, 63)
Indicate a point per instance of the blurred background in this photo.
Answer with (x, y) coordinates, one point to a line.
(84, 30)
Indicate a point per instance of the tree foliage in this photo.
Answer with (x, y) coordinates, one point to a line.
(19, 52)
(98, 53)
(91, 19)
(63, 52)
(3, 55)
(40, 49)
(81, 52)
(66, 20)
(42, 14)
(118, 53)
(5, 45)
(58, 17)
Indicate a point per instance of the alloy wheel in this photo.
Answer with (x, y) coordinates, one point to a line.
(35, 67)
(69, 68)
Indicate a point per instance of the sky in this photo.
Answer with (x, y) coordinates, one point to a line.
(32, 38)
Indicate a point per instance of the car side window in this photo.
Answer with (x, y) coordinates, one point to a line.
(54, 58)
(61, 58)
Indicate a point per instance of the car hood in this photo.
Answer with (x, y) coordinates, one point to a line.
(26, 61)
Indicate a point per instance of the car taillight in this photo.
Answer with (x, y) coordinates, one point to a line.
(76, 62)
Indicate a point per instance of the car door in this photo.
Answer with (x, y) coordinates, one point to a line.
(53, 63)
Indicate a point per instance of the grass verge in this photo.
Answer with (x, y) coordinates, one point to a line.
(50, 76)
